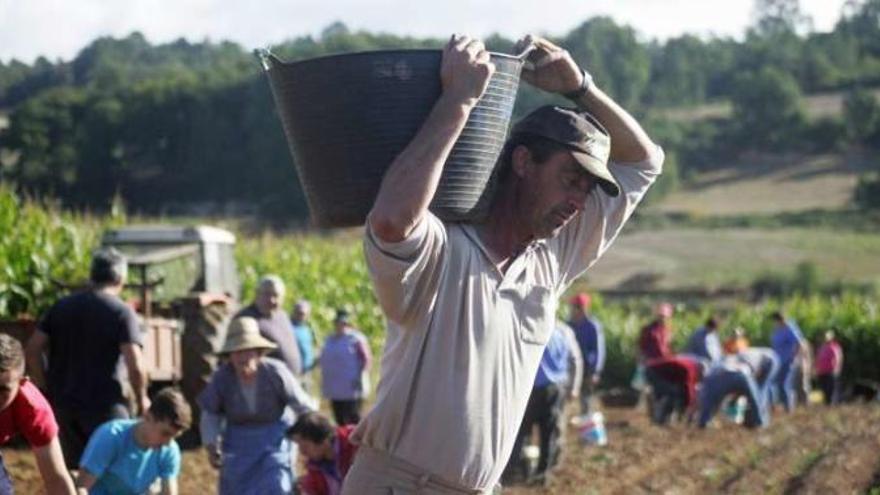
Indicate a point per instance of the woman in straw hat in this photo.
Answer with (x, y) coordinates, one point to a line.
(249, 403)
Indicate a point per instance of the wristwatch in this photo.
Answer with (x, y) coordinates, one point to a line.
(586, 84)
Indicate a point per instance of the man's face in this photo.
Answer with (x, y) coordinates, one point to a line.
(268, 299)
(576, 312)
(313, 450)
(340, 325)
(158, 433)
(553, 192)
(300, 314)
(10, 381)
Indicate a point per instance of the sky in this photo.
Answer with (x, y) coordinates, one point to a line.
(59, 29)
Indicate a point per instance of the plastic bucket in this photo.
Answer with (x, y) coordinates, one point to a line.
(346, 117)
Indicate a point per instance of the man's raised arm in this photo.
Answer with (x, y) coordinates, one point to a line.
(555, 71)
(411, 181)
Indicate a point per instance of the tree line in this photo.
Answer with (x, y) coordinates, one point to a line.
(171, 127)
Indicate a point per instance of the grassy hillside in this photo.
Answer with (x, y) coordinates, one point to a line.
(767, 184)
(684, 257)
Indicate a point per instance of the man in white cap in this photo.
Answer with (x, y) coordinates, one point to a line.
(470, 306)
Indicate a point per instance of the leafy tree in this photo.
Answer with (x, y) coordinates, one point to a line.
(614, 57)
(867, 192)
(768, 109)
(861, 112)
(45, 131)
(780, 17)
(825, 135)
(11, 75)
(861, 21)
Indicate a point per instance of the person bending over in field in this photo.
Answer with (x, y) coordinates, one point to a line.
(126, 456)
(24, 410)
(328, 452)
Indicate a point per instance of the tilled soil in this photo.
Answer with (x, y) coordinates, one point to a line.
(817, 450)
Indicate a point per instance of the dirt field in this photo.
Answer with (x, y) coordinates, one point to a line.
(815, 450)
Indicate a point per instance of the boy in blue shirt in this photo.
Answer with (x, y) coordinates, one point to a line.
(126, 456)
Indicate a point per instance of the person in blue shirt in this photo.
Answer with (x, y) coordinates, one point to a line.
(305, 339)
(787, 341)
(559, 376)
(125, 457)
(591, 342)
(704, 342)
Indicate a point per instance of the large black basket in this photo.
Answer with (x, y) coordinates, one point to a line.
(346, 118)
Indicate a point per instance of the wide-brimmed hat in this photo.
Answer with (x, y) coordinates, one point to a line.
(580, 132)
(244, 334)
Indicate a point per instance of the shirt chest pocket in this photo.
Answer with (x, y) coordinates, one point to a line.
(535, 308)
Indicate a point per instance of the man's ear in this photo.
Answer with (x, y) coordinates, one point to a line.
(521, 160)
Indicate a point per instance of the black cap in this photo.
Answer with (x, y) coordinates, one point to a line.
(578, 131)
(342, 316)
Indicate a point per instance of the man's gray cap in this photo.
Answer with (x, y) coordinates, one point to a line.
(581, 133)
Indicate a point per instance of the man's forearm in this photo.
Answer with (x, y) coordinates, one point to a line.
(411, 181)
(138, 379)
(50, 463)
(137, 374)
(629, 141)
(35, 369)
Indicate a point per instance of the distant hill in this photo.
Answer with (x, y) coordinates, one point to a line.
(690, 257)
(768, 184)
(817, 106)
(756, 186)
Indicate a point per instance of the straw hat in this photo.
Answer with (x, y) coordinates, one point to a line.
(244, 334)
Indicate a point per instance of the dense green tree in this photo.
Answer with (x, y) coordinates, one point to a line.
(768, 109)
(613, 55)
(779, 17)
(861, 112)
(10, 75)
(867, 192)
(45, 131)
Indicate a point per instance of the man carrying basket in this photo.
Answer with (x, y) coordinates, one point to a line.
(470, 306)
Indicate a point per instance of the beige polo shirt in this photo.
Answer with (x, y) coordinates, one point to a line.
(464, 340)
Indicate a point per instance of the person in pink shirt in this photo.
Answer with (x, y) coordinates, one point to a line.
(829, 364)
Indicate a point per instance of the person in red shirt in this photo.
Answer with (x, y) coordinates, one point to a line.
(674, 387)
(328, 451)
(829, 364)
(24, 410)
(654, 338)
